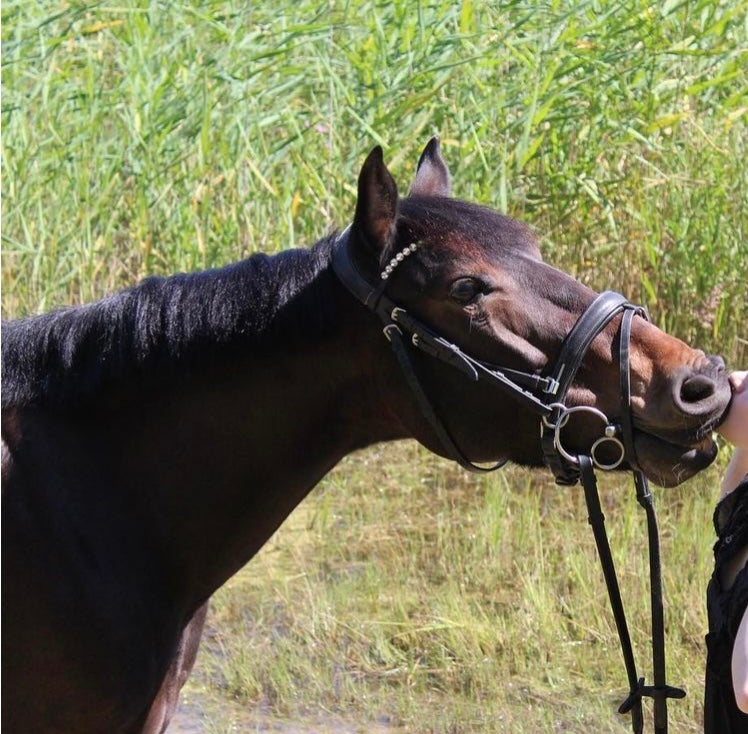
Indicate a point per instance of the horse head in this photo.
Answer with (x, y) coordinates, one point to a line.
(476, 279)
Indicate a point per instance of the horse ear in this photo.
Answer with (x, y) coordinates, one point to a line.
(432, 174)
(376, 207)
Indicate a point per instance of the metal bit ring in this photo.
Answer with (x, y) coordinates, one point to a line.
(562, 421)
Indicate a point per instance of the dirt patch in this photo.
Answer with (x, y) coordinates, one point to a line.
(192, 718)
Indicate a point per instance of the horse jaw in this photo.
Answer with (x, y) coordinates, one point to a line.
(669, 464)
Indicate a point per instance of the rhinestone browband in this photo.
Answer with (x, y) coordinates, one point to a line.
(392, 264)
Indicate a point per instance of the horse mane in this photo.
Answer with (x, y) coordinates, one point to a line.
(190, 319)
(148, 329)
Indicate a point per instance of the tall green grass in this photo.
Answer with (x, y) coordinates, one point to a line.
(153, 137)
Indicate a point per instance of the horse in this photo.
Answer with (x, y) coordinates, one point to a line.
(154, 440)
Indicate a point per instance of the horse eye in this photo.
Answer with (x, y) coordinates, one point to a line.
(466, 290)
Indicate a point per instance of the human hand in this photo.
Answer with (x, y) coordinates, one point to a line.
(735, 426)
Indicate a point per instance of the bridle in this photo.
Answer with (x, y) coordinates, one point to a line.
(544, 394)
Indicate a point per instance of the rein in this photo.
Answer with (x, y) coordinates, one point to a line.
(544, 395)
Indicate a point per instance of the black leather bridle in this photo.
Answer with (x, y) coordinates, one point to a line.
(544, 394)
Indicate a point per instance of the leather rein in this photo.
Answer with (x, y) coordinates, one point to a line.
(544, 394)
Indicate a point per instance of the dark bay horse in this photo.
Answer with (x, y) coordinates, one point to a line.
(154, 440)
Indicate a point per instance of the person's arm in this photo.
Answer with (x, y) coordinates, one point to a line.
(736, 470)
(740, 664)
(735, 429)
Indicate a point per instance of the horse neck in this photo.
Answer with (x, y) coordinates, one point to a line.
(222, 460)
(201, 461)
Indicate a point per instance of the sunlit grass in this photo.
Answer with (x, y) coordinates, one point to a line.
(146, 138)
(153, 137)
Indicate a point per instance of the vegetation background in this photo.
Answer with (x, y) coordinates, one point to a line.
(404, 594)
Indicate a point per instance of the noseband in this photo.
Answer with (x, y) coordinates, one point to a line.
(544, 394)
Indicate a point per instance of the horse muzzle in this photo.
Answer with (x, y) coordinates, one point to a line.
(679, 443)
(703, 395)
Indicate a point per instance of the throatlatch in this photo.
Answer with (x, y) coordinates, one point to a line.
(544, 394)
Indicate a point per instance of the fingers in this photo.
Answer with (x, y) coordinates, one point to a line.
(739, 380)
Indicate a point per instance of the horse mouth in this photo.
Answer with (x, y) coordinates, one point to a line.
(670, 456)
(670, 461)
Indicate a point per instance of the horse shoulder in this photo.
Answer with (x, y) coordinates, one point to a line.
(78, 626)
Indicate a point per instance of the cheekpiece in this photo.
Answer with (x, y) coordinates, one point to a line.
(392, 264)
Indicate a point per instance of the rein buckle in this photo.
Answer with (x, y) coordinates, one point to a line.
(389, 328)
(551, 386)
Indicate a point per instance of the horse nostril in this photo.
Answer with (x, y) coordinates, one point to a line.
(696, 388)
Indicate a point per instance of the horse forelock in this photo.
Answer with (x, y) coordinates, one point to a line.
(150, 329)
(461, 228)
